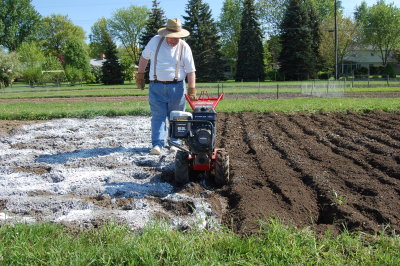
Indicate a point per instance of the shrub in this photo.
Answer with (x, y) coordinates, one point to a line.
(128, 68)
(361, 71)
(324, 75)
(32, 75)
(388, 70)
(97, 73)
(376, 70)
(90, 77)
(74, 75)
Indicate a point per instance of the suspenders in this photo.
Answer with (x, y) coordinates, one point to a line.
(177, 63)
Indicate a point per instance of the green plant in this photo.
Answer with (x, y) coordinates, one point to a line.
(10, 67)
(324, 75)
(389, 71)
(338, 199)
(74, 75)
(97, 73)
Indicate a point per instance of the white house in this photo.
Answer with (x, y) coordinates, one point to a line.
(366, 57)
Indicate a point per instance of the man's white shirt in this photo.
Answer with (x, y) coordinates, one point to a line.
(167, 58)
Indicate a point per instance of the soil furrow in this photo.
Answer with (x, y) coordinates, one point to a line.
(346, 144)
(385, 120)
(247, 194)
(383, 157)
(342, 143)
(361, 192)
(279, 174)
(374, 132)
(320, 179)
(249, 139)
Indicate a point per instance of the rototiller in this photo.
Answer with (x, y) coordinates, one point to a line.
(197, 131)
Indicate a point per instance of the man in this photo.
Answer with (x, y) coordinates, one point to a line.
(171, 61)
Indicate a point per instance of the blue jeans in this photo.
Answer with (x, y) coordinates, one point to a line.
(163, 99)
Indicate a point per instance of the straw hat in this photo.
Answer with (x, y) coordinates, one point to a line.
(173, 29)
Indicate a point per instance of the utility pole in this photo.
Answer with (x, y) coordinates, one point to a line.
(336, 43)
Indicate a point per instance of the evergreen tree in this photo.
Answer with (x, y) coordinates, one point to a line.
(296, 58)
(204, 41)
(250, 62)
(315, 40)
(156, 21)
(112, 69)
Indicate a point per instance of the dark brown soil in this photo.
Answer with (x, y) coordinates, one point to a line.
(327, 171)
(7, 126)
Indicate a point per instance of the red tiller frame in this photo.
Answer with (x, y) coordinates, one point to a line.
(204, 167)
(204, 100)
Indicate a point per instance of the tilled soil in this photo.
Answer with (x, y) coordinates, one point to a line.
(327, 171)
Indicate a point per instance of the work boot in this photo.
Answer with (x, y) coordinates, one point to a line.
(173, 149)
(156, 150)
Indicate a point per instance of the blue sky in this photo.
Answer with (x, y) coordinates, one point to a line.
(85, 13)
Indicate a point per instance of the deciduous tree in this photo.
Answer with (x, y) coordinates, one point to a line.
(18, 23)
(32, 59)
(271, 13)
(76, 55)
(381, 28)
(55, 32)
(126, 25)
(97, 38)
(229, 28)
(347, 37)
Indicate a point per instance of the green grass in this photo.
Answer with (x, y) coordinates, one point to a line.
(311, 105)
(74, 93)
(50, 244)
(50, 110)
(135, 92)
(23, 87)
(20, 90)
(45, 111)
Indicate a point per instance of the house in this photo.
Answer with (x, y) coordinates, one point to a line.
(368, 58)
(98, 62)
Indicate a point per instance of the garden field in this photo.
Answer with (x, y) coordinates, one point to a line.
(331, 165)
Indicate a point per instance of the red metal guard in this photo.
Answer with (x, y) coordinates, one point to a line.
(204, 100)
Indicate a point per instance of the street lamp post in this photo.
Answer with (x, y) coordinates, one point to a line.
(336, 43)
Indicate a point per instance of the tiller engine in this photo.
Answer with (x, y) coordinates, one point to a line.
(197, 132)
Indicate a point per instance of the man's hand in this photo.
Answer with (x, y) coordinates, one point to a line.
(139, 77)
(192, 93)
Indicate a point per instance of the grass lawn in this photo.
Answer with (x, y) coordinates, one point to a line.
(50, 110)
(50, 244)
(20, 90)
